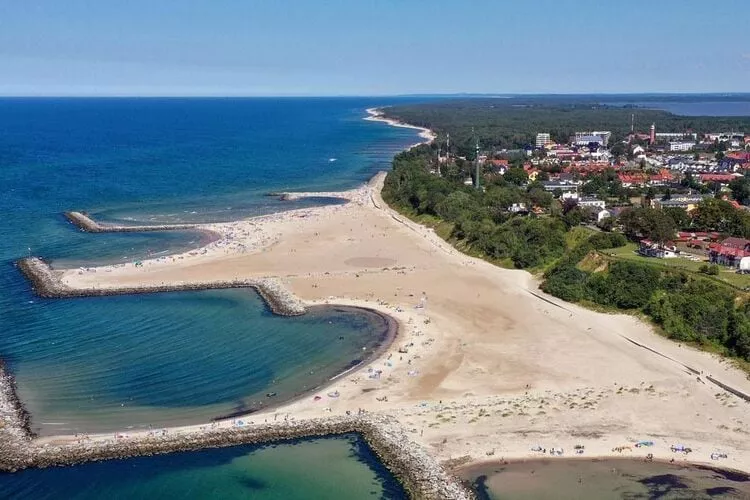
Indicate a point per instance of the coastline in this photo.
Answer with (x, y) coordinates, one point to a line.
(483, 364)
(378, 115)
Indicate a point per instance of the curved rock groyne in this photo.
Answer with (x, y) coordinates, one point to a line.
(46, 283)
(86, 223)
(419, 473)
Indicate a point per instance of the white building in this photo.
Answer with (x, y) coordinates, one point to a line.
(681, 146)
(672, 136)
(603, 214)
(591, 201)
(583, 138)
(542, 140)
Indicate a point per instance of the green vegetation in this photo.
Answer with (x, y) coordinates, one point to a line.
(690, 301)
(481, 219)
(599, 268)
(514, 123)
(687, 307)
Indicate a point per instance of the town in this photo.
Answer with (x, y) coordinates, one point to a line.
(601, 179)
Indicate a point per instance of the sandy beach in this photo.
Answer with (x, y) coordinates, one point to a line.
(485, 366)
(377, 115)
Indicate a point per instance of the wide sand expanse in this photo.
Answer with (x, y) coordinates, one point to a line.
(484, 366)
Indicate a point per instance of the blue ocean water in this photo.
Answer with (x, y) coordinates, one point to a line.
(166, 160)
(108, 363)
(342, 467)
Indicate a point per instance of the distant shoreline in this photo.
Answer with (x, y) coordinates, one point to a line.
(378, 115)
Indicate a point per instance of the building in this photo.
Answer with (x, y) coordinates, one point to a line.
(676, 136)
(729, 252)
(720, 178)
(591, 201)
(649, 248)
(542, 140)
(681, 146)
(563, 186)
(688, 202)
(602, 214)
(518, 208)
(585, 138)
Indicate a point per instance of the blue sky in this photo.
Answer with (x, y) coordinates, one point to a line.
(371, 47)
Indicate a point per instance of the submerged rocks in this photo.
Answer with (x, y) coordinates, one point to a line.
(46, 283)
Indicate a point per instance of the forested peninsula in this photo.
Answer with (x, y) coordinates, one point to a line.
(576, 259)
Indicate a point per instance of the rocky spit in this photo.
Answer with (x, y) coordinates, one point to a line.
(46, 283)
(86, 223)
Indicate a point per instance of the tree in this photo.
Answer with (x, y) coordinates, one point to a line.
(740, 189)
(679, 216)
(648, 223)
(517, 176)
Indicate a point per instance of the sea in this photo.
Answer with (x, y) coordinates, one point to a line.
(113, 363)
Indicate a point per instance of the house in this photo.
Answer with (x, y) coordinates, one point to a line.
(591, 201)
(563, 186)
(602, 214)
(729, 252)
(518, 208)
(500, 166)
(649, 248)
(688, 202)
(720, 178)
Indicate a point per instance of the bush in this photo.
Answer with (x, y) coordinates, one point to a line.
(711, 270)
(600, 241)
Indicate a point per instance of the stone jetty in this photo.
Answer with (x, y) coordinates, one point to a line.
(419, 473)
(15, 432)
(86, 223)
(46, 283)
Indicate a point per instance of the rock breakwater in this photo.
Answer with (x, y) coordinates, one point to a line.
(420, 474)
(86, 223)
(46, 283)
(15, 431)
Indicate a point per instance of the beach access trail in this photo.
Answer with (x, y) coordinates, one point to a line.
(484, 365)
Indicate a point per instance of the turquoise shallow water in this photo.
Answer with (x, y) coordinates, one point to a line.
(333, 468)
(161, 359)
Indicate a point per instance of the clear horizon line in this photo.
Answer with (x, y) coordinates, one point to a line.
(330, 96)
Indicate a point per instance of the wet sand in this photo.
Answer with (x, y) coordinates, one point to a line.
(593, 479)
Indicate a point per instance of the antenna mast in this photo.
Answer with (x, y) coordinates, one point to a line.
(476, 160)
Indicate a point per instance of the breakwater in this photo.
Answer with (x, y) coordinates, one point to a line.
(15, 431)
(46, 283)
(421, 476)
(86, 223)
